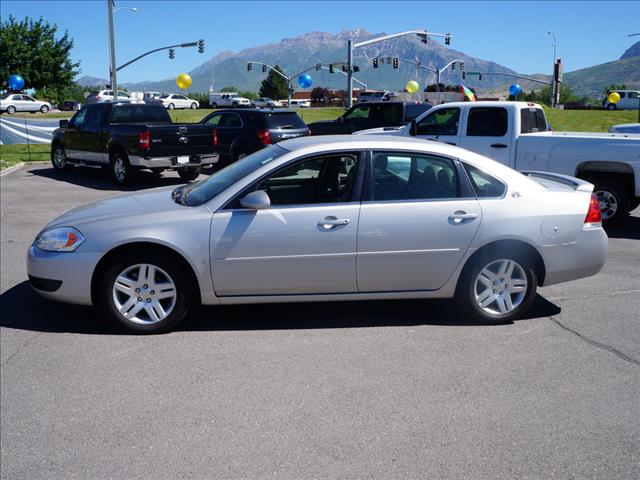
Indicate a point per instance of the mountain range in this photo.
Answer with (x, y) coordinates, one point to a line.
(293, 55)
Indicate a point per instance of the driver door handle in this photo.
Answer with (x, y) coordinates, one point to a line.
(499, 145)
(332, 222)
(461, 216)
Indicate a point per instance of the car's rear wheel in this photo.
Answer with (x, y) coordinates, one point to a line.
(11, 109)
(44, 109)
(189, 173)
(121, 170)
(145, 293)
(614, 202)
(497, 288)
(171, 106)
(59, 157)
(194, 106)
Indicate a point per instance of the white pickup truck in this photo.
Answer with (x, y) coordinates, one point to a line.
(229, 99)
(517, 134)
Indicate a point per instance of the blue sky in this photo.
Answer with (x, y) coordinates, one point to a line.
(511, 33)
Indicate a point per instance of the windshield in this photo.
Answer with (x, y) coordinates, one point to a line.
(201, 192)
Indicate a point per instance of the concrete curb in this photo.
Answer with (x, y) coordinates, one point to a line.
(6, 171)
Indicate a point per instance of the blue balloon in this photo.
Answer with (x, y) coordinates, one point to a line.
(515, 89)
(16, 82)
(305, 80)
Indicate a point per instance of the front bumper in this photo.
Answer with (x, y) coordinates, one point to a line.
(73, 269)
(578, 259)
(172, 162)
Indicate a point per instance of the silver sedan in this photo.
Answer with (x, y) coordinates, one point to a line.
(326, 218)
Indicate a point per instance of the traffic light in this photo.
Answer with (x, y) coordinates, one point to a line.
(395, 63)
(423, 37)
(453, 66)
(331, 68)
(447, 39)
(375, 62)
(318, 66)
(479, 76)
(344, 67)
(462, 66)
(464, 75)
(356, 68)
(249, 66)
(172, 53)
(264, 69)
(201, 46)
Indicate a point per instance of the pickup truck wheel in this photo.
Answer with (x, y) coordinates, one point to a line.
(497, 288)
(194, 106)
(214, 105)
(44, 109)
(614, 202)
(189, 173)
(145, 292)
(121, 169)
(171, 106)
(59, 158)
(11, 109)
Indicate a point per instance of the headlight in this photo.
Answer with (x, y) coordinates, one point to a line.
(59, 239)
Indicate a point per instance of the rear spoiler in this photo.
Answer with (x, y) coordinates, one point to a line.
(573, 182)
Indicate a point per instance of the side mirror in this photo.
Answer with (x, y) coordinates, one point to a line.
(413, 128)
(257, 200)
(64, 123)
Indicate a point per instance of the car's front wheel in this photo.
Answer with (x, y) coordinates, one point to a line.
(194, 106)
(497, 288)
(44, 109)
(145, 293)
(11, 109)
(59, 157)
(171, 106)
(189, 173)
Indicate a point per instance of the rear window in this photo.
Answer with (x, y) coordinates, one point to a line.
(284, 120)
(415, 110)
(532, 120)
(485, 185)
(487, 122)
(140, 114)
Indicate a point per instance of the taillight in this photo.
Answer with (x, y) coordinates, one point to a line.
(215, 137)
(144, 139)
(593, 217)
(264, 136)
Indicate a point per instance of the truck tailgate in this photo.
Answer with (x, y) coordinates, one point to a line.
(180, 139)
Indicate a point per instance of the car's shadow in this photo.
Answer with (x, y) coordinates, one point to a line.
(628, 228)
(99, 180)
(21, 308)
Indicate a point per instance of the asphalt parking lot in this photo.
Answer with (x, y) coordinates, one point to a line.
(337, 390)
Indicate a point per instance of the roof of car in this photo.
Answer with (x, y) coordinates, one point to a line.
(254, 110)
(366, 141)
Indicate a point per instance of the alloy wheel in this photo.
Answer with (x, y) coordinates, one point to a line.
(500, 287)
(59, 157)
(608, 204)
(119, 169)
(144, 294)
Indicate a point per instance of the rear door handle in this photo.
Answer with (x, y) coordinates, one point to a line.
(461, 216)
(332, 222)
(499, 145)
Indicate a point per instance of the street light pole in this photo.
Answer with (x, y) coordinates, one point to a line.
(112, 51)
(553, 83)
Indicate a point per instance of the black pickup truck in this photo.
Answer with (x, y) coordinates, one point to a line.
(125, 137)
(370, 115)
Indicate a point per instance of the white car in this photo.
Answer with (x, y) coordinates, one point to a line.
(228, 99)
(17, 102)
(265, 102)
(629, 100)
(518, 135)
(176, 100)
(102, 96)
(300, 104)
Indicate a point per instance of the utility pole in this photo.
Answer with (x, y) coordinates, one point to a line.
(112, 52)
(554, 85)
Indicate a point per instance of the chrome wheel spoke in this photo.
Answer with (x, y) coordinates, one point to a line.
(502, 307)
(489, 300)
(484, 296)
(500, 287)
(507, 301)
(166, 292)
(126, 306)
(152, 313)
(485, 279)
(134, 311)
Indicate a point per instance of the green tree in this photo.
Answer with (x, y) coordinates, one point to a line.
(274, 86)
(229, 89)
(30, 48)
(320, 95)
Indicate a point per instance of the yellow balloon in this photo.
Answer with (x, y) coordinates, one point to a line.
(614, 97)
(184, 81)
(412, 86)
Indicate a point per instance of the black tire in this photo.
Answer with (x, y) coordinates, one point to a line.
(614, 200)
(178, 307)
(121, 170)
(214, 105)
(11, 109)
(171, 106)
(612, 106)
(59, 158)
(194, 106)
(44, 109)
(189, 173)
(467, 295)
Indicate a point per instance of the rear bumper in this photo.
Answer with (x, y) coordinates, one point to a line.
(172, 162)
(582, 258)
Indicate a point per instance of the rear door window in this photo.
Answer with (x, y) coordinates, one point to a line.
(485, 185)
(487, 122)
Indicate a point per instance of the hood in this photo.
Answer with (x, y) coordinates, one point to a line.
(157, 200)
